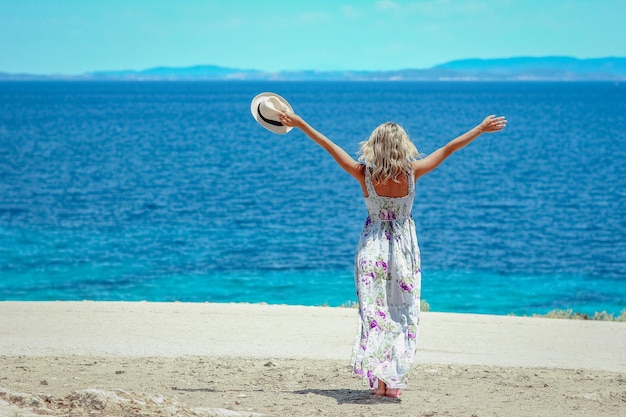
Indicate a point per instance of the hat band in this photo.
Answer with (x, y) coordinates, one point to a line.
(272, 122)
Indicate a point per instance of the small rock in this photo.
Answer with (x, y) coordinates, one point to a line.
(119, 372)
(270, 363)
(172, 410)
(44, 382)
(157, 399)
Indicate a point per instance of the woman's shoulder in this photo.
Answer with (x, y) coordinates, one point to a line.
(417, 168)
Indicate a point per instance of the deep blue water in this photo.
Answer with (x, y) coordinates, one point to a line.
(171, 191)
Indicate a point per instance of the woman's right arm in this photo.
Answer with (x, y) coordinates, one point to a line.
(344, 160)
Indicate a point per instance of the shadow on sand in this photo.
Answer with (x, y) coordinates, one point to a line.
(194, 389)
(348, 396)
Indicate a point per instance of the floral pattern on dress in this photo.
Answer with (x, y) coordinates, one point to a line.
(388, 279)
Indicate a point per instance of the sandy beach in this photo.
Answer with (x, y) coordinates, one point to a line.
(170, 359)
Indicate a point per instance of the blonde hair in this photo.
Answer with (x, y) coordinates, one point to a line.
(389, 152)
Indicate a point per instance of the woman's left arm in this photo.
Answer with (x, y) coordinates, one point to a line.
(432, 161)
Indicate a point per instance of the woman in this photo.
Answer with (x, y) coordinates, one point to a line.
(387, 263)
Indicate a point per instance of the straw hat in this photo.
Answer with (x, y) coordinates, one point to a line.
(265, 109)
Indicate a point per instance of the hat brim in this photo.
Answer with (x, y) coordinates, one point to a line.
(254, 109)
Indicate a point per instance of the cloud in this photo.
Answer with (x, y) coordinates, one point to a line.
(387, 5)
(439, 7)
(312, 17)
(351, 13)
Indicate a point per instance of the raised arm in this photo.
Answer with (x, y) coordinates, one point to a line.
(432, 161)
(344, 160)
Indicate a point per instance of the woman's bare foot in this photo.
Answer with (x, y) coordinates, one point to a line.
(393, 392)
(381, 390)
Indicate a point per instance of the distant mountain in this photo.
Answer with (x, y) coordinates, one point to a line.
(195, 72)
(507, 69)
(547, 67)
(5, 76)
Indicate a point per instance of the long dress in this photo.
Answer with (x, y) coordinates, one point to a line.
(388, 279)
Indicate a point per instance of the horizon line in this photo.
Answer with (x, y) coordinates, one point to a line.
(226, 67)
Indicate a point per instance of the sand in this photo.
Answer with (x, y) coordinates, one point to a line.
(162, 359)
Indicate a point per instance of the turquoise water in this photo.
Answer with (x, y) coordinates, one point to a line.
(171, 192)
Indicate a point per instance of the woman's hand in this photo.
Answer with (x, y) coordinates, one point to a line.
(290, 119)
(492, 124)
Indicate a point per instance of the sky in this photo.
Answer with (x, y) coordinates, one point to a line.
(78, 36)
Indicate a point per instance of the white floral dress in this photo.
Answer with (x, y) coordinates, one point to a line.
(388, 278)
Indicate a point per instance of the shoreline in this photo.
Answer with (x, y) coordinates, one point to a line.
(296, 332)
(203, 359)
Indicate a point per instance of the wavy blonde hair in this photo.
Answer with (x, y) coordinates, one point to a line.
(389, 152)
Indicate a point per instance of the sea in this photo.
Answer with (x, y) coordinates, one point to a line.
(170, 191)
